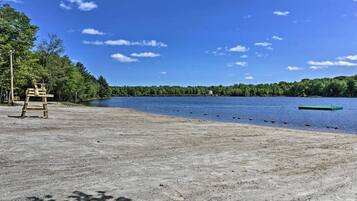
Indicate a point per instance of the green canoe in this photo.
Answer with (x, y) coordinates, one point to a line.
(311, 107)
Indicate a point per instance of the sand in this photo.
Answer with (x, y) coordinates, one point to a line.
(87, 153)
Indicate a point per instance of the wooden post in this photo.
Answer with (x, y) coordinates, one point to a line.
(75, 99)
(11, 102)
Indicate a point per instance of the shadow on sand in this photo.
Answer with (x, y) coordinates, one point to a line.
(21, 117)
(80, 196)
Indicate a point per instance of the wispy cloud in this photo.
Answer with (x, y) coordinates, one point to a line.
(92, 31)
(122, 58)
(239, 48)
(244, 56)
(294, 68)
(97, 42)
(263, 44)
(219, 51)
(344, 61)
(81, 5)
(317, 67)
(122, 42)
(12, 1)
(152, 43)
(259, 54)
(277, 38)
(65, 6)
(350, 57)
(331, 63)
(241, 63)
(71, 30)
(249, 77)
(145, 55)
(266, 45)
(281, 13)
(163, 73)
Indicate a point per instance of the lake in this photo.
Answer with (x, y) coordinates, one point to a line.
(267, 111)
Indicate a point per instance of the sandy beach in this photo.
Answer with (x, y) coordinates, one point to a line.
(87, 153)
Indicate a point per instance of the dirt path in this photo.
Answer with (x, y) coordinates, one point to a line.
(82, 153)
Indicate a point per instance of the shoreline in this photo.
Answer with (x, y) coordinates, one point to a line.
(261, 124)
(145, 156)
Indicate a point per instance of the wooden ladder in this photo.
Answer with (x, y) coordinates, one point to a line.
(40, 91)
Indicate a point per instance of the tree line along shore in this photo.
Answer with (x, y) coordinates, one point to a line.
(71, 81)
(342, 86)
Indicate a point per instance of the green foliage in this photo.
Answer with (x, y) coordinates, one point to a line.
(66, 80)
(18, 34)
(328, 87)
(104, 89)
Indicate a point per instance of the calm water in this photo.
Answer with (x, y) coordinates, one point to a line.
(271, 111)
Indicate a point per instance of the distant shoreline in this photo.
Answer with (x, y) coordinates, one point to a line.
(233, 97)
(231, 109)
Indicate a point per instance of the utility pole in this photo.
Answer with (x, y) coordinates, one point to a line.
(12, 78)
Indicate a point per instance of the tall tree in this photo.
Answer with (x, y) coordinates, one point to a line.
(16, 33)
(104, 89)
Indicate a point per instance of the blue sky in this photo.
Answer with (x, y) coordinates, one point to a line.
(203, 42)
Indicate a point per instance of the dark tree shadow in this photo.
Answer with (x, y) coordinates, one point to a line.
(80, 196)
(21, 117)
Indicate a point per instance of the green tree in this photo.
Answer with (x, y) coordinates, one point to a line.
(16, 33)
(104, 89)
(351, 88)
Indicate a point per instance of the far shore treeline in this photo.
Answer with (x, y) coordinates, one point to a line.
(46, 62)
(342, 86)
(70, 81)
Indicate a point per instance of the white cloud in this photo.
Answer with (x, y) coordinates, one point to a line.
(65, 6)
(13, 1)
(163, 73)
(241, 63)
(152, 43)
(92, 31)
(317, 67)
(145, 55)
(81, 5)
(218, 51)
(350, 57)
(331, 63)
(249, 77)
(239, 48)
(122, 58)
(87, 6)
(263, 44)
(294, 68)
(345, 61)
(277, 38)
(97, 42)
(281, 13)
(244, 56)
(122, 42)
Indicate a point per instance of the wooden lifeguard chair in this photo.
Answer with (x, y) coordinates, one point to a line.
(39, 91)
